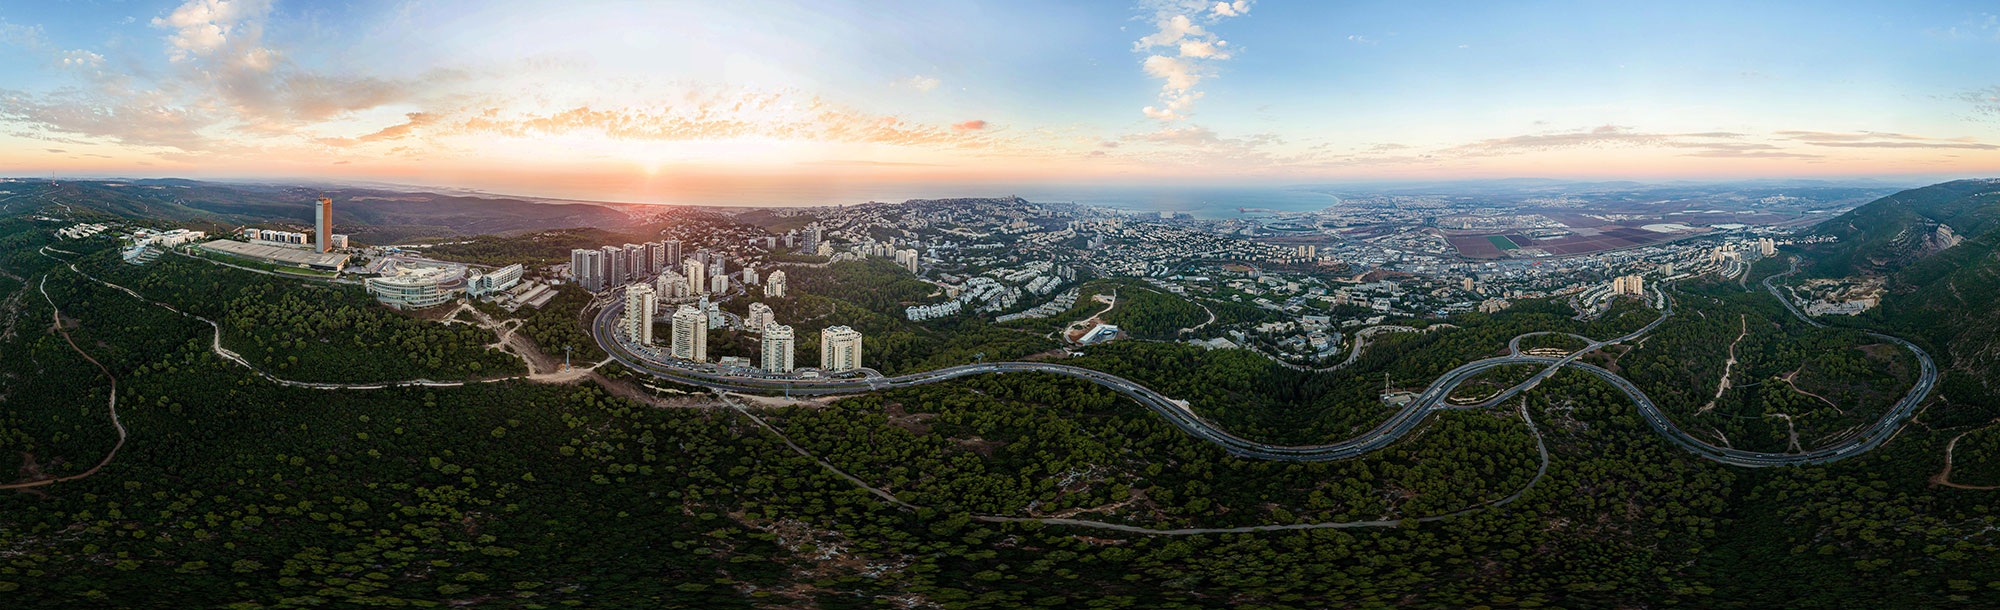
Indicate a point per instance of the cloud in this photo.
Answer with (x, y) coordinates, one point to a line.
(204, 27)
(1190, 47)
(867, 163)
(1171, 31)
(1872, 139)
(411, 123)
(720, 115)
(82, 59)
(1359, 39)
(1179, 74)
(1716, 144)
(1984, 101)
(1183, 136)
(1202, 49)
(917, 82)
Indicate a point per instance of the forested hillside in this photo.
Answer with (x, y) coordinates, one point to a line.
(1939, 247)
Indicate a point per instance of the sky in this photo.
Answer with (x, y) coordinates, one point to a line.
(766, 102)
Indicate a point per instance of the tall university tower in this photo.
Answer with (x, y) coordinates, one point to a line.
(323, 224)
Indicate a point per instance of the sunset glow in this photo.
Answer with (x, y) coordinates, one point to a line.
(775, 102)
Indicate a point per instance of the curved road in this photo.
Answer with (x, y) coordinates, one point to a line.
(1177, 412)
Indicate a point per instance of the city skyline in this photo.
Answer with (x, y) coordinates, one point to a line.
(779, 103)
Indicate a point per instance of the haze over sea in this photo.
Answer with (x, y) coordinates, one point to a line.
(1207, 202)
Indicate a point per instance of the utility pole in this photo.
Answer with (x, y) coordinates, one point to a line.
(566, 357)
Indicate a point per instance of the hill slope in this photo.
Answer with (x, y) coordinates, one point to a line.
(1939, 247)
(1895, 231)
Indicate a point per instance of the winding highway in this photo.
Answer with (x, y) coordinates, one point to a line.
(1413, 413)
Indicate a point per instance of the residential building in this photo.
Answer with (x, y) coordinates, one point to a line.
(638, 321)
(839, 349)
(760, 315)
(673, 248)
(614, 273)
(778, 348)
(635, 262)
(718, 284)
(697, 275)
(1628, 284)
(690, 340)
(586, 269)
(670, 285)
(774, 286)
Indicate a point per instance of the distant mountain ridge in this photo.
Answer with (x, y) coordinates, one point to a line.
(1893, 232)
(370, 214)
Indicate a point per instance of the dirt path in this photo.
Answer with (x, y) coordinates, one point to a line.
(1795, 388)
(55, 315)
(1723, 385)
(1792, 432)
(1943, 477)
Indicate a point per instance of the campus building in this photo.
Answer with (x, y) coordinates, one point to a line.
(410, 286)
(481, 284)
(323, 224)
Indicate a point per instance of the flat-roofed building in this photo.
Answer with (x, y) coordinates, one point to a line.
(839, 349)
(323, 224)
(409, 286)
(586, 268)
(638, 320)
(774, 286)
(497, 280)
(760, 315)
(690, 340)
(778, 348)
(670, 285)
(697, 276)
(294, 257)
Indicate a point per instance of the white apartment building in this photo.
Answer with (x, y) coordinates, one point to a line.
(760, 315)
(774, 286)
(690, 341)
(638, 321)
(697, 276)
(839, 349)
(777, 348)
